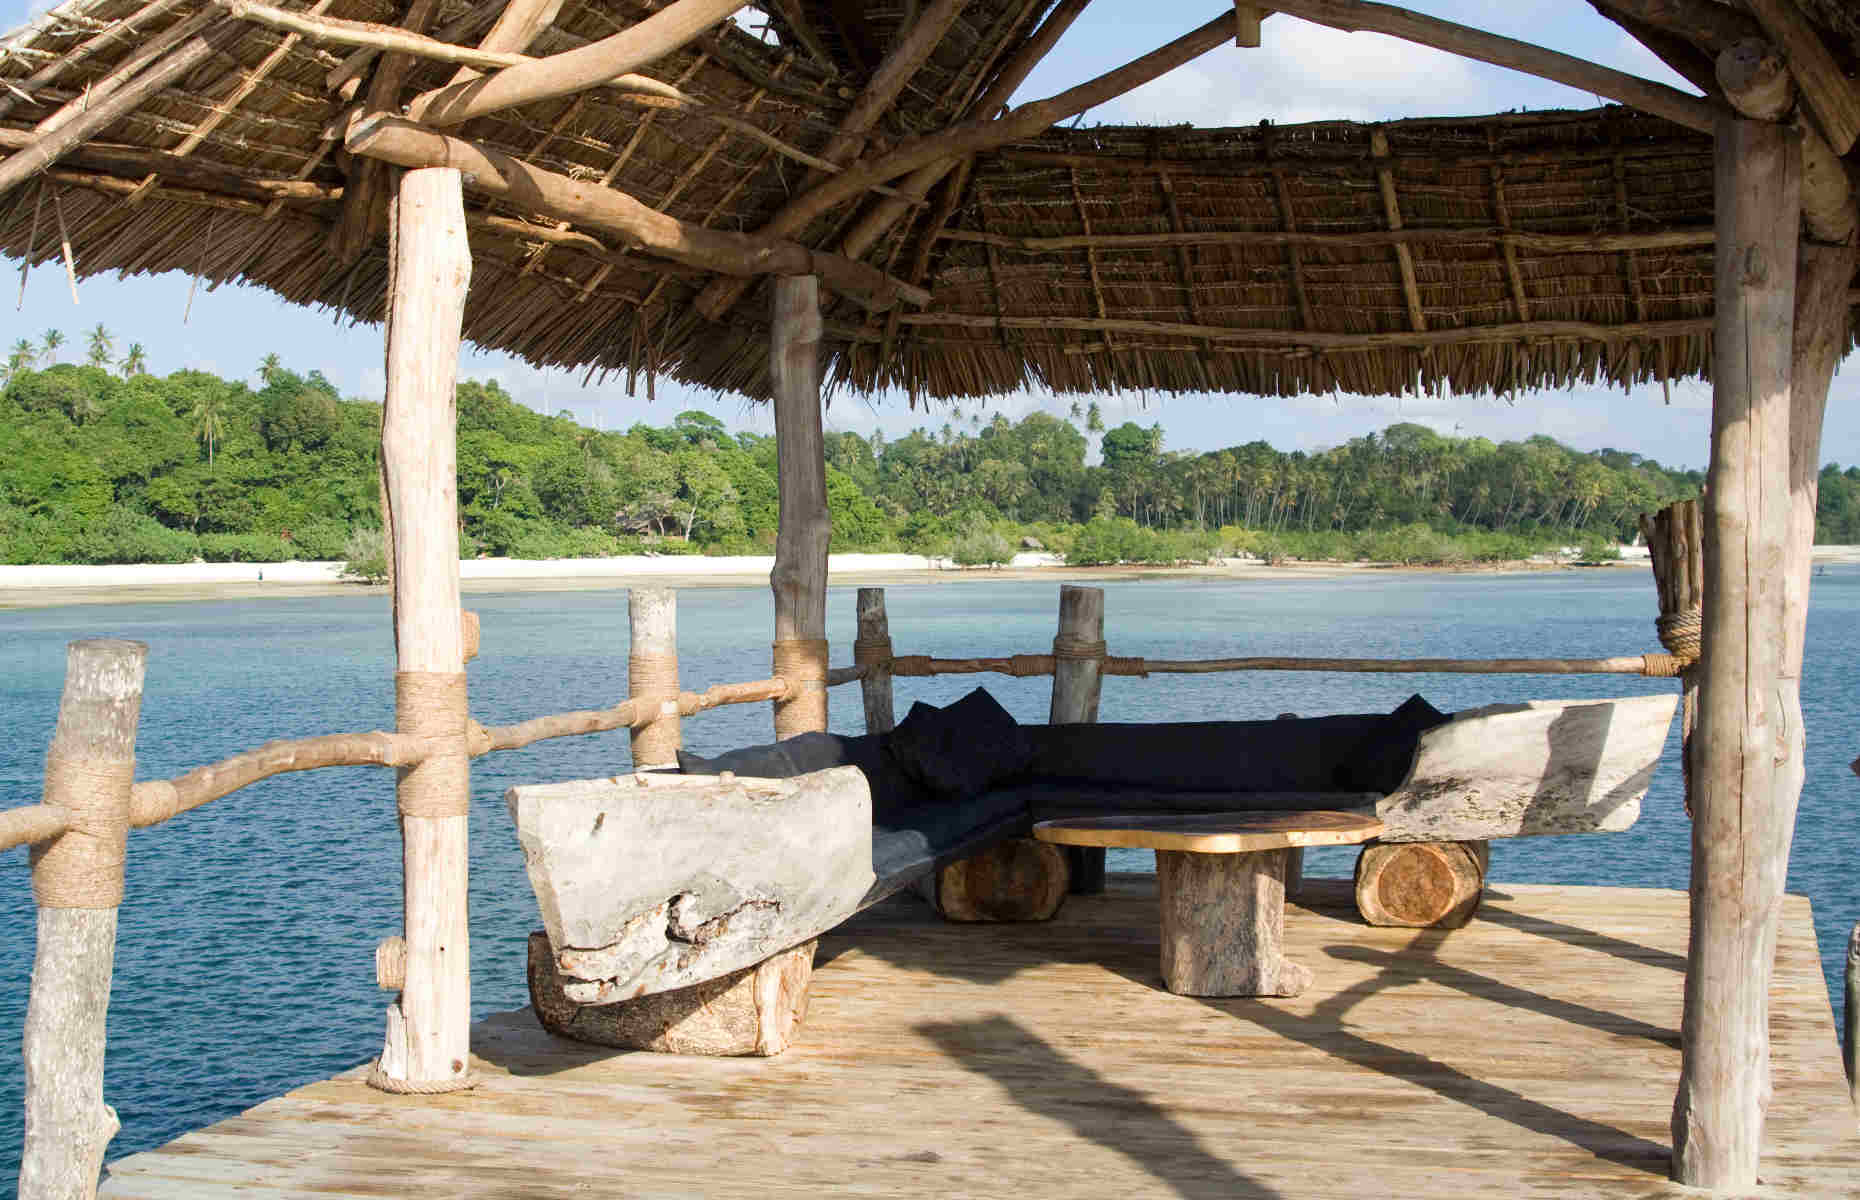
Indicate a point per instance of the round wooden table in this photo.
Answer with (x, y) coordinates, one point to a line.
(1222, 879)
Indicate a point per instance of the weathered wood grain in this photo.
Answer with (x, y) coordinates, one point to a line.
(1019, 879)
(1421, 885)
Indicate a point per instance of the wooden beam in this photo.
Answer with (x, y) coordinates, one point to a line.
(366, 199)
(803, 526)
(660, 34)
(339, 32)
(342, 78)
(1549, 243)
(849, 140)
(1743, 810)
(1833, 100)
(974, 137)
(805, 33)
(546, 193)
(1391, 211)
(1711, 24)
(136, 162)
(54, 143)
(1691, 63)
(1252, 167)
(156, 50)
(521, 23)
(1354, 16)
(1311, 339)
(247, 85)
(1501, 209)
(428, 1044)
(1756, 82)
(1246, 24)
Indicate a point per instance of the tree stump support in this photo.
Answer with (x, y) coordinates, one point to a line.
(1421, 885)
(428, 1043)
(872, 650)
(77, 881)
(1078, 676)
(1015, 880)
(1223, 925)
(805, 529)
(652, 670)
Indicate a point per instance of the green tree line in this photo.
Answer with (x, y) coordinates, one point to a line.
(102, 462)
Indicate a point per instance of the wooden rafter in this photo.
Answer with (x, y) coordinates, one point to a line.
(1630, 266)
(1501, 212)
(1091, 261)
(365, 204)
(158, 50)
(1185, 257)
(1832, 98)
(1391, 212)
(407, 144)
(1549, 243)
(1360, 16)
(347, 74)
(518, 25)
(247, 86)
(22, 90)
(660, 34)
(804, 32)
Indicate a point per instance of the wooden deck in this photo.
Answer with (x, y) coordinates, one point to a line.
(1533, 1053)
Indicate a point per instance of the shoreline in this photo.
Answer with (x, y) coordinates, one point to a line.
(55, 586)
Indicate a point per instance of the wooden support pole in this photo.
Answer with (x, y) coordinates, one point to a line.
(77, 880)
(658, 35)
(1832, 98)
(1749, 718)
(1850, 1024)
(804, 529)
(1078, 676)
(428, 1046)
(652, 670)
(872, 650)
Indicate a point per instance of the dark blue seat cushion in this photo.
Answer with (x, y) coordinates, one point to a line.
(908, 839)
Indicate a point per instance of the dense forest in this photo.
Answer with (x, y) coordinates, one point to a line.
(102, 462)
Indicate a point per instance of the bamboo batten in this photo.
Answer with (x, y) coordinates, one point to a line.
(77, 881)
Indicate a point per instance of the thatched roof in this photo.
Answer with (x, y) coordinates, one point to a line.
(260, 192)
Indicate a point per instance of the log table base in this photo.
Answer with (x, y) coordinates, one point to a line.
(1222, 880)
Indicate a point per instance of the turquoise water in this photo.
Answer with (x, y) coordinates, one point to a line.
(245, 958)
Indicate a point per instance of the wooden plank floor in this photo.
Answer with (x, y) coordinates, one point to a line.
(1533, 1053)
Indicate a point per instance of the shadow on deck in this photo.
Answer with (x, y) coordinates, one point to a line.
(1533, 1053)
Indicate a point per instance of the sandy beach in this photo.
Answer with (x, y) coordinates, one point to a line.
(45, 586)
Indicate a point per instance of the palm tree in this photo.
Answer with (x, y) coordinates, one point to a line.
(51, 341)
(268, 367)
(134, 363)
(21, 359)
(208, 416)
(101, 344)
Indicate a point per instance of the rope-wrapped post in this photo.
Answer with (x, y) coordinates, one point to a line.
(1078, 671)
(799, 579)
(1676, 543)
(872, 651)
(428, 1044)
(77, 880)
(652, 671)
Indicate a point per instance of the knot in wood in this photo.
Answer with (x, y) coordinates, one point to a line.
(1756, 267)
(83, 867)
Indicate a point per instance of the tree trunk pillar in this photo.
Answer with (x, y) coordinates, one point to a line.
(428, 1043)
(1078, 673)
(872, 651)
(1749, 746)
(77, 880)
(652, 670)
(799, 579)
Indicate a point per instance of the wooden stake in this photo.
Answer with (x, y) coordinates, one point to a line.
(873, 649)
(64, 242)
(1850, 1025)
(32, 241)
(1077, 680)
(78, 883)
(1749, 717)
(652, 670)
(804, 528)
(428, 1046)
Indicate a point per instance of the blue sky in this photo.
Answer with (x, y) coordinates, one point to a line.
(1302, 72)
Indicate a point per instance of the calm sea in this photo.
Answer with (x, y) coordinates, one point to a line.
(245, 960)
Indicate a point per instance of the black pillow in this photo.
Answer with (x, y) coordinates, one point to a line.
(961, 750)
(1382, 759)
(801, 754)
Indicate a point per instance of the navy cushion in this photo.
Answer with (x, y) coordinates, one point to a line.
(963, 749)
(1381, 763)
(798, 755)
(908, 839)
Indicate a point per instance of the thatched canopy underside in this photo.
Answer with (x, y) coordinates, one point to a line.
(258, 197)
